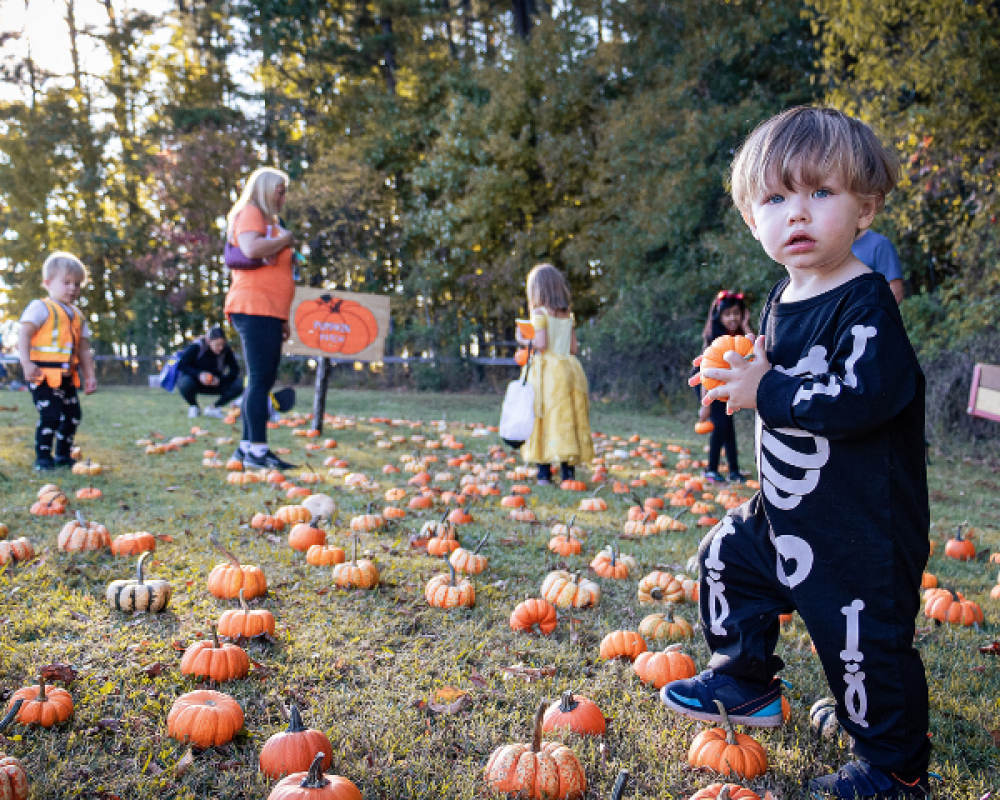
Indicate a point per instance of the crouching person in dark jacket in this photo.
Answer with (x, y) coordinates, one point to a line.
(208, 366)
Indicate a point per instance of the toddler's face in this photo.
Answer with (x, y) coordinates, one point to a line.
(64, 287)
(810, 227)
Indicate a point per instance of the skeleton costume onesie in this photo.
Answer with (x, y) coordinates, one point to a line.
(839, 528)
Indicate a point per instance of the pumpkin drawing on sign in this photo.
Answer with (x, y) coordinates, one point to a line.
(335, 325)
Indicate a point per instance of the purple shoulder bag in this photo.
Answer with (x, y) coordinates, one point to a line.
(236, 259)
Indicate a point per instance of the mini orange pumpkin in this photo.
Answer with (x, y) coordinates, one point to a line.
(534, 612)
(133, 544)
(569, 591)
(609, 563)
(949, 606)
(714, 356)
(305, 535)
(725, 791)
(469, 561)
(13, 778)
(325, 555)
(314, 785)
(245, 622)
(576, 713)
(293, 749)
(357, 573)
(960, 547)
(622, 644)
(43, 705)
(227, 580)
(16, 550)
(661, 667)
(204, 718)
(727, 752)
(538, 770)
(665, 626)
(81, 535)
(214, 660)
(442, 591)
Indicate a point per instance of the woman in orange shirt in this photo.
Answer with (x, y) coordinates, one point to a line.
(258, 303)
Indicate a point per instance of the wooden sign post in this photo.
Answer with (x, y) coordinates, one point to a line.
(326, 324)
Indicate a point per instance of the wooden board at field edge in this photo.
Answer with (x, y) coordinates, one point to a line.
(984, 394)
(338, 325)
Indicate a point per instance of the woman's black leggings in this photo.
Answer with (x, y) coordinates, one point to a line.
(262, 340)
(723, 435)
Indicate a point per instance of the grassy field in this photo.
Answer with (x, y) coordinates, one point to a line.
(375, 670)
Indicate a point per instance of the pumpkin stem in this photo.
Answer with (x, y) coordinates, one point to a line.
(243, 602)
(218, 546)
(215, 638)
(567, 702)
(536, 736)
(597, 490)
(620, 783)
(9, 718)
(80, 518)
(724, 793)
(295, 720)
(355, 557)
(138, 568)
(481, 542)
(614, 555)
(315, 779)
(451, 573)
(41, 698)
(656, 593)
(726, 725)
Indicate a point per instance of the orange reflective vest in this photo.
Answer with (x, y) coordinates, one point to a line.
(55, 344)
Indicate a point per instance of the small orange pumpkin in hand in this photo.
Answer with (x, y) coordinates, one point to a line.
(714, 357)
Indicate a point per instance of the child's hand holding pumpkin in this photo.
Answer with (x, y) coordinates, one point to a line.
(741, 379)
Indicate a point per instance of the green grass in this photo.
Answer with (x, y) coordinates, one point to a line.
(364, 664)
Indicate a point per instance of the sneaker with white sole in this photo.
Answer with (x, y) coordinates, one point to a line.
(859, 780)
(214, 411)
(695, 698)
(193, 411)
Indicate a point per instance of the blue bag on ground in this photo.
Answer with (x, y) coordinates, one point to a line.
(168, 375)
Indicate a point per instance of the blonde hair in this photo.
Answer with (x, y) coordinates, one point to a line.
(59, 262)
(258, 191)
(547, 287)
(804, 145)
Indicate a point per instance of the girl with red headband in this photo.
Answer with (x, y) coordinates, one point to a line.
(728, 314)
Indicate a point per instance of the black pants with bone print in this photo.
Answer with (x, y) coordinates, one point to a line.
(58, 418)
(858, 604)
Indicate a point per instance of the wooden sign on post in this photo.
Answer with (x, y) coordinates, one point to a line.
(327, 324)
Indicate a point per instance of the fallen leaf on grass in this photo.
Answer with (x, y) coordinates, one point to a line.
(991, 649)
(460, 704)
(995, 735)
(165, 537)
(447, 694)
(78, 616)
(323, 590)
(178, 645)
(155, 670)
(172, 488)
(59, 672)
(184, 764)
(529, 673)
(112, 724)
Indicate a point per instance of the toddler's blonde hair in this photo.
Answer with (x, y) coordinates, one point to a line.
(804, 145)
(59, 262)
(259, 191)
(547, 287)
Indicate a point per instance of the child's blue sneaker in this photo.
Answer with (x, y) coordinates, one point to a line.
(859, 780)
(695, 698)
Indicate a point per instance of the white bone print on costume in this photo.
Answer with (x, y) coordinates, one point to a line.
(792, 548)
(855, 696)
(781, 490)
(815, 363)
(718, 606)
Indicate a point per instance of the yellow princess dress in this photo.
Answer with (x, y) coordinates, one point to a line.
(562, 405)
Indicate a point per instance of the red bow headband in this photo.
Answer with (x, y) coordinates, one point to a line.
(725, 294)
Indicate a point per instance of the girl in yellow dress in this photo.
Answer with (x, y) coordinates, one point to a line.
(562, 406)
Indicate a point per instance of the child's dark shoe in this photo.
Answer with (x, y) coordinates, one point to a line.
(64, 461)
(567, 473)
(713, 476)
(44, 464)
(737, 477)
(695, 698)
(859, 780)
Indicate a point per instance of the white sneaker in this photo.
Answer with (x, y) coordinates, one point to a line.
(214, 411)
(193, 411)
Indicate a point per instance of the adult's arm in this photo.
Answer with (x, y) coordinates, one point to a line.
(255, 245)
(187, 364)
(231, 370)
(896, 287)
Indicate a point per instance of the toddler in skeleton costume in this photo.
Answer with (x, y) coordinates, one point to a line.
(839, 529)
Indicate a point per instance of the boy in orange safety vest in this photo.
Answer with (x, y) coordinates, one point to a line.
(54, 348)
